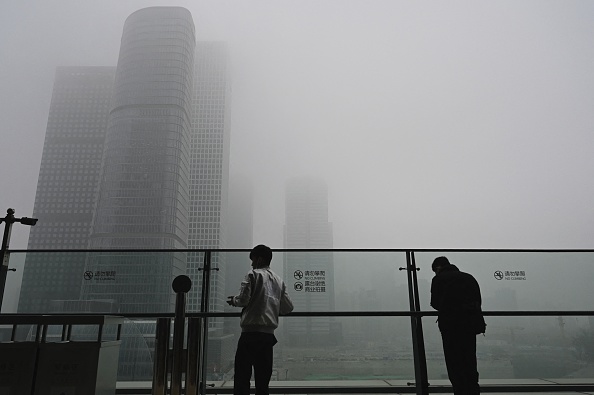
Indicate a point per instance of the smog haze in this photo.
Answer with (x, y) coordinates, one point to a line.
(456, 124)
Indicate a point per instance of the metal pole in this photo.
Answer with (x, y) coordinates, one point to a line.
(413, 324)
(421, 361)
(4, 254)
(163, 333)
(421, 385)
(194, 336)
(181, 285)
(178, 343)
(204, 327)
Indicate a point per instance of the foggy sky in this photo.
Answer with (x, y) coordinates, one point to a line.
(455, 124)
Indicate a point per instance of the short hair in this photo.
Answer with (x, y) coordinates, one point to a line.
(261, 251)
(440, 261)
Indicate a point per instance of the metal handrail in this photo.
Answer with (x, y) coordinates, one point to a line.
(7, 317)
(215, 250)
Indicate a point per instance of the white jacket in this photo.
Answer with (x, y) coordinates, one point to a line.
(263, 296)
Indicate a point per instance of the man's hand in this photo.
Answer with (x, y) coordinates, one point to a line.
(230, 300)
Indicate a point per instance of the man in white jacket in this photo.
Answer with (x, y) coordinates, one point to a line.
(264, 297)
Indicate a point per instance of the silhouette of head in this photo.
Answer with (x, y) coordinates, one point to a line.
(261, 256)
(439, 263)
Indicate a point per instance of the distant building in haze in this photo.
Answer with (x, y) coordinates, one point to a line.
(67, 185)
(143, 198)
(311, 274)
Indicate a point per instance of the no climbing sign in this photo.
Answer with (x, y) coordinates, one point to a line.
(310, 280)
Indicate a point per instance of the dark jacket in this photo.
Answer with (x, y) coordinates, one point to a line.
(457, 298)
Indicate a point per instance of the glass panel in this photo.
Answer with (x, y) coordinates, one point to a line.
(341, 281)
(363, 348)
(12, 288)
(52, 283)
(380, 349)
(137, 345)
(233, 267)
(370, 281)
(106, 282)
(525, 347)
(522, 280)
(139, 282)
(328, 348)
(221, 349)
(136, 350)
(111, 283)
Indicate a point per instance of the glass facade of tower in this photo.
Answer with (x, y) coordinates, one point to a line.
(143, 195)
(67, 185)
(209, 174)
(307, 226)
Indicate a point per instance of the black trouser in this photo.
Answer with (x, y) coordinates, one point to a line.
(459, 349)
(253, 349)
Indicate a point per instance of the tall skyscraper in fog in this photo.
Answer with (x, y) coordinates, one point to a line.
(209, 169)
(67, 185)
(136, 157)
(310, 273)
(209, 178)
(143, 198)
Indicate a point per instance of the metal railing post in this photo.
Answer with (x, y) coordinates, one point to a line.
(181, 285)
(421, 381)
(163, 332)
(197, 331)
(420, 357)
(203, 331)
(4, 253)
(194, 337)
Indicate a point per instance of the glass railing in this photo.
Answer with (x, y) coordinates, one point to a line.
(362, 318)
(530, 345)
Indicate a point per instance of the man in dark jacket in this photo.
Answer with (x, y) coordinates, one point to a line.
(457, 298)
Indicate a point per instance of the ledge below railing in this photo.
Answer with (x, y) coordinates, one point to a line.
(385, 386)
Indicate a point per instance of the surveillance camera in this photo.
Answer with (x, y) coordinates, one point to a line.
(28, 221)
